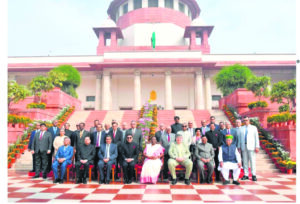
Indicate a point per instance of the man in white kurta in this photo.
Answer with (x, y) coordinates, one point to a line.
(229, 158)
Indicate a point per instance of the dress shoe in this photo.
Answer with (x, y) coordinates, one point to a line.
(56, 181)
(245, 178)
(44, 176)
(107, 181)
(174, 181)
(226, 182)
(129, 181)
(209, 180)
(78, 181)
(187, 181)
(84, 181)
(254, 178)
(61, 181)
(125, 181)
(235, 182)
(101, 181)
(36, 176)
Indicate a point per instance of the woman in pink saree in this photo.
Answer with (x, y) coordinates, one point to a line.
(152, 164)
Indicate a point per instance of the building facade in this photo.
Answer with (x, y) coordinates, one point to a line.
(126, 67)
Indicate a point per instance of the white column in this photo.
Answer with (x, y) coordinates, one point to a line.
(208, 92)
(130, 5)
(137, 90)
(199, 100)
(161, 3)
(186, 10)
(106, 92)
(144, 3)
(98, 92)
(176, 5)
(168, 91)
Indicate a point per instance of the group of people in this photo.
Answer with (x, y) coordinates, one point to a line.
(219, 147)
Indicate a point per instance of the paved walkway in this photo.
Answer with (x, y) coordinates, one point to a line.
(269, 187)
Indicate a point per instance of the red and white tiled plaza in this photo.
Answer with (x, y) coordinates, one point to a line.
(275, 187)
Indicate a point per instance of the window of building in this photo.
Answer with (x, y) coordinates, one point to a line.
(216, 97)
(181, 7)
(180, 108)
(198, 38)
(107, 39)
(90, 98)
(152, 3)
(169, 4)
(125, 8)
(137, 4)
(125, 108)
(117, 15)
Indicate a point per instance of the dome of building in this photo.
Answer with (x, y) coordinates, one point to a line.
(198, 22)
(108, 23)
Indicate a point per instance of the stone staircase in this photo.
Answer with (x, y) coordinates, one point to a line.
(219, 114)
(77, 117)
(24, 163)
(166, 117)
(264, 164)
(94, 115)
(129, 116)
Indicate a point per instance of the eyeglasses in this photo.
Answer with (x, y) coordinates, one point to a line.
(129, 138)
(184, 126)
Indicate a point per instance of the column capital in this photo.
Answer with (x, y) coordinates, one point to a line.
(137, 72)
(106, 73)
(168, 73)
(206, 75)
(199, 71)
(99, 76)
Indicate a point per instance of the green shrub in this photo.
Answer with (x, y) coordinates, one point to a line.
(261, 104)
(284, 108)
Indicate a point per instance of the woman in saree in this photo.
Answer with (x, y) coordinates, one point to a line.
(152, 163)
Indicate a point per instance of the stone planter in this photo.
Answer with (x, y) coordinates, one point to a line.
(289, 171)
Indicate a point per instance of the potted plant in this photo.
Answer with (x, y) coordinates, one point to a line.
(9, 164)
(17, 155)
(289, 166)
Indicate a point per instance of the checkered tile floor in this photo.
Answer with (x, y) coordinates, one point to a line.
(269, 188)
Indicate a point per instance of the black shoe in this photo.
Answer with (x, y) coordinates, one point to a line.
(44, 176)
(101, 181)
(226, 182)
(36, 176)
(61, 181)
(84, 181)
(32, 171)
(254, 178)
(56, 181)
(209, 181)
(107, 181)
(78, 181)
(129, 181)
(187, 181)
(245, 178)
(125, 181)
(235, 182)
(174, 181)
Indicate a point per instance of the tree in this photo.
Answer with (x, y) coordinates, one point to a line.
(72, 81)
(259, 86)
(16, 92)
(284, 90)
(232, 77)
(39, 84)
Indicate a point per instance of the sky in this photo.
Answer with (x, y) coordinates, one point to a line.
(64, 27)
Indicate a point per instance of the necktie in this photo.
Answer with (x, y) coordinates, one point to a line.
(228, 132)
(124, 131)
(203, 130)
(133, 132)
(81, 133)
(41, 135)
(98, 139)
(168, 137)
(114, 134)
(107, 151)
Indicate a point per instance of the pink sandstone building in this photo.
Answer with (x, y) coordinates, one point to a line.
(126, 67)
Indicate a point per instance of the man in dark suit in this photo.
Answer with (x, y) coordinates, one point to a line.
(98, 138)
(107, 157)
(159, 133)
(124, 129)
(93, 129)
(213, 120)
(130, 153)
(80, 136)
(221, 126)
(215, 137)
(176, 126)
(41, 147)
(191, 129)
(85, 155)
(55, 131)
(203, 127)
(117, 136)
(137, 135)
(32, 135)
(229, 131)
(70, 133)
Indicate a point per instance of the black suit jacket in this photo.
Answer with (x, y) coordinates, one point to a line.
(158, 135)
(80, 141)
(130, 150)
(94, 138)
(71, 135)
(118, 137)
(214, 137)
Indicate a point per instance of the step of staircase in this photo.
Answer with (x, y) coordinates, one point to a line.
(219, 114)
(166, 117)
(77, 117)
(185, 116)
(95, 115)
(130, 115)
(113, 115)
(24, 163)
(200, 115)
